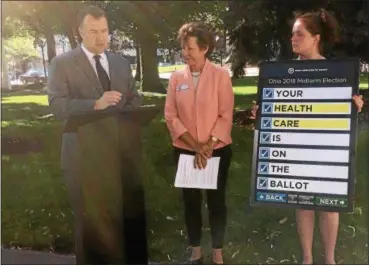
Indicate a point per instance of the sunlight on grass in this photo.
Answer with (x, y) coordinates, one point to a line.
(245, 86)
(364, 81)
(165, 69)
(363, 85)
(38, 99)
(153, 95)
(18, 123)
(5, 158)
(245, 90)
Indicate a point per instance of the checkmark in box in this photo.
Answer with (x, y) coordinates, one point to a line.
(268, 93)
(263, 168)
(266, 123)
(265, 138)
(267, 108)
(264, 153)
(262, 183)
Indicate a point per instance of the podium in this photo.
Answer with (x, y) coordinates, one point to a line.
(109, 173)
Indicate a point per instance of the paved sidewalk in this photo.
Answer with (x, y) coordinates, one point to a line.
(16, 256)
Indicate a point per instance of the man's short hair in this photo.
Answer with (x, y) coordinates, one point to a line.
(94, 11)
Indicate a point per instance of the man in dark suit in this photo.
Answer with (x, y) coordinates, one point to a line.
(85, 79)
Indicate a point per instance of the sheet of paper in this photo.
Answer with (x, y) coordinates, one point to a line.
(189, 177)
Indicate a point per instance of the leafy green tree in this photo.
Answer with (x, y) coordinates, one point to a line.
(20, 48)
(261, 29)
(43, 19)
(153, 25)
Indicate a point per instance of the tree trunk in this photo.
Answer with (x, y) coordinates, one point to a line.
(5, 84)
(138, 63)
(285, 52)
(24, 65)
(68, 13)
(71, 38)
(284, 30)
(172, 57)
(50, 42)
(150, 75)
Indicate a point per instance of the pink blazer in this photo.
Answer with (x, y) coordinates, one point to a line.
(203, 112)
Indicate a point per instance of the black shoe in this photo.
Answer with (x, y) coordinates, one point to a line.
(197, 262)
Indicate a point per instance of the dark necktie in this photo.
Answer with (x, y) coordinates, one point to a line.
(101, 73)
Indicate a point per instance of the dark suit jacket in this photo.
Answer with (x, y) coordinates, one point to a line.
(73, 86)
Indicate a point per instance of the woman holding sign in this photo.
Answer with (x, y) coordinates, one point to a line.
(311, 31)
(199, 116)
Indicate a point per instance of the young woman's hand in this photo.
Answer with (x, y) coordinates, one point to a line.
(358, 101)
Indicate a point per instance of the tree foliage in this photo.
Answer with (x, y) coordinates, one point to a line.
(20, 48)
(261, 29)
(42, 19)
(150, 24)
(153, 25)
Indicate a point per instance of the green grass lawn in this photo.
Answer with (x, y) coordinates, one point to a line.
(165, 69)
(364, 81)
(36, 213)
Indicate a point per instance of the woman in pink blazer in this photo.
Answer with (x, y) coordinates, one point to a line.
(199, 113)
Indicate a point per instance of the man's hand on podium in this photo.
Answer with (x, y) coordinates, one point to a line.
(109, 98)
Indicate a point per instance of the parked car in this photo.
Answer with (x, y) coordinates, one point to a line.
(33, 76)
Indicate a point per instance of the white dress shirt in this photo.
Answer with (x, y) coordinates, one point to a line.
(103, 60)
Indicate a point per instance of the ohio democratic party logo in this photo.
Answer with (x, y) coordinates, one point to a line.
(291, 70)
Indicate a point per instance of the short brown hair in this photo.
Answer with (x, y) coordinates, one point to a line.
(320, 22)
(94, 11)
(204, 36)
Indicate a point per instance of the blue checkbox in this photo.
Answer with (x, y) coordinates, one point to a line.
(263, 168)
(266, 123)
(268, 93)
(262, 183)
(265, 137)
(264, 153)
(267, 108)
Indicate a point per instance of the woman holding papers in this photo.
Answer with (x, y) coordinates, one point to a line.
(311, 31)
(198, 114)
